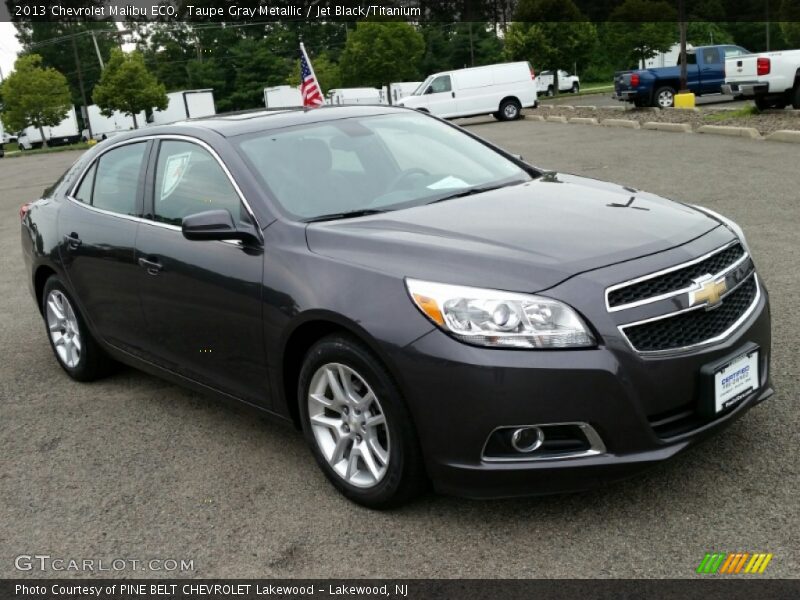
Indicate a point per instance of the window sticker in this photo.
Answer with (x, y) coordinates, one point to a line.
(174, 170)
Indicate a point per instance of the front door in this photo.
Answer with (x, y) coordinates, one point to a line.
(201, 299)
(440, 97)
(97, 228)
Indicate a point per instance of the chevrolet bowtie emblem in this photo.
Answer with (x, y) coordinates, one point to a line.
(708, 292)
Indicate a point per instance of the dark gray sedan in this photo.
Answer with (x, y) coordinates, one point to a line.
(425, 306)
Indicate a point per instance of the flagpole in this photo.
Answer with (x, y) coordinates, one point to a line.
(311, 68)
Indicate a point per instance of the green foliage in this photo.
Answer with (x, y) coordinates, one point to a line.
(790, 25)
(378, 53)
(34, 96)
(35, 37)
(639, 30)
(127, 86)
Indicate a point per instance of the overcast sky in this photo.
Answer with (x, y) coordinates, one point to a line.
(8, 47)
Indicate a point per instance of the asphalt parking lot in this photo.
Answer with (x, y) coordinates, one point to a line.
(133, 467)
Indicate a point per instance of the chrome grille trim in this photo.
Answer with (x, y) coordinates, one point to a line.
(668, 295)
(718, 338)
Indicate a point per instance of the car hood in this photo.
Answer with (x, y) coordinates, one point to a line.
(526, 237)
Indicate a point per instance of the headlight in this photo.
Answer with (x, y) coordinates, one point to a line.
(732, 225)
(500, 319)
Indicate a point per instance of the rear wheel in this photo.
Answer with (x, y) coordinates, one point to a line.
(510, 110)
(357, 425)
(664, 97)
(550, 90)
(576, 88)
(73, 345)
(796, 96)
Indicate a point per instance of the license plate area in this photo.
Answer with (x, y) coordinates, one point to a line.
(728, 381)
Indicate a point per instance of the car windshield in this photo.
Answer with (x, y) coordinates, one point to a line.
(373, 164)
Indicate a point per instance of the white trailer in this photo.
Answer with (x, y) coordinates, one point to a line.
(66, 132)
(105, 127)
(186, 104)
(282, 96)
(355, 96)
(401, 89)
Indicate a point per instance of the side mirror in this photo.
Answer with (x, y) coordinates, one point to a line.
(216, 225)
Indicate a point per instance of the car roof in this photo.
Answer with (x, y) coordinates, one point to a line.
(240, 123)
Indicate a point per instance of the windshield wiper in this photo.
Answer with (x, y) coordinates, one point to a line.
(363, 212)
(480, 189)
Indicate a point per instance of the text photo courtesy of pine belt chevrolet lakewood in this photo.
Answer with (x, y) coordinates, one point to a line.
(426, 307)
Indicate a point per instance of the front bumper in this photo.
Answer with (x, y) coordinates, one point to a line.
(459, 394)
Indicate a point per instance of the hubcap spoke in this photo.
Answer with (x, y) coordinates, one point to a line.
(62, 324)
(349, 425)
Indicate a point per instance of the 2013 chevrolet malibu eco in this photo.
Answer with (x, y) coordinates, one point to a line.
(425, 306)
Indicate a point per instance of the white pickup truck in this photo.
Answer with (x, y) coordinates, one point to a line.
(772, 79)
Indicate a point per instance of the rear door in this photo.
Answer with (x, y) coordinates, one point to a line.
(712, 71)
(97, 226)
(201, 299)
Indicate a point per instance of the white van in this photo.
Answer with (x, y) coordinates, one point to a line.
(502, 90)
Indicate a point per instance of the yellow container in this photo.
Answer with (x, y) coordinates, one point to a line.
(684, 100)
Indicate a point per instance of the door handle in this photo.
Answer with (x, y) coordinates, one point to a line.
(153, 267)
(72, 240)
(453, 94)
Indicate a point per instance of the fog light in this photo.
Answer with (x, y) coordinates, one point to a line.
(527, 439)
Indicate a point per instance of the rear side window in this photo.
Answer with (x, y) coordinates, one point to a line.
(189, 180)
(112, 182)
(711, 55)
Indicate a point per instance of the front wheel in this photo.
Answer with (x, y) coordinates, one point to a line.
(664, 97)
(357, 425)
(510, 110)
(576, 88)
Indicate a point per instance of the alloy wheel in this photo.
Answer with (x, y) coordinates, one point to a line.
(64, 330)
(665, 99)
(510, 111)
(349, 425)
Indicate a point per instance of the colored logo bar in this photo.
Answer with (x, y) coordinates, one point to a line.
(733, 563)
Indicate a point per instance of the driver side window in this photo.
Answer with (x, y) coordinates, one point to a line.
(189, 180)
(440, 84)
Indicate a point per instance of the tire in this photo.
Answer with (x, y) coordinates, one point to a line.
(397, 473)
(576, 88)
(762, 103)
(84, 361)
(664, 97)
(796, 96)
(550, 90)
(510, 110)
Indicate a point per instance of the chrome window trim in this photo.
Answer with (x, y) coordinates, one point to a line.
(596, 445)
(668, 295)
(722, 336)
(161, 136)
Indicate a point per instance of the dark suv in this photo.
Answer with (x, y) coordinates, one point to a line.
(424, 305)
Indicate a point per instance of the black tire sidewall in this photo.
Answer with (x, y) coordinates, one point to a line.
(502, 111)
(401, 480)
(658, 93)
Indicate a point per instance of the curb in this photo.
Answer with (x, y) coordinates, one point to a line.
(784, 135)
(529, 117)
(584, 120)
(748, 132)
(621, 123)
(557, 119)
(676, 127)
(586, 106)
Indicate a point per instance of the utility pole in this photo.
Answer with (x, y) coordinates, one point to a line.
(767, 25)
(682, 17)
(80, 85)
(97, 49)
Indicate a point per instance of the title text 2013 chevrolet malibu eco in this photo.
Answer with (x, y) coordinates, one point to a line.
(425, 306)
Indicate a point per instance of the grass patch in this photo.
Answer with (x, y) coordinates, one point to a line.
(584, 91)
(740, 113)
(18, 153)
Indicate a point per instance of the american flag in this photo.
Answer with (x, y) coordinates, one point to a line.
(309, 87)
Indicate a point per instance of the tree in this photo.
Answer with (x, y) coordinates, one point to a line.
(127, 86)
(379, 53)
(640, 29)
(790, 22)
(34, 96)
(550, 34)
(327, 72)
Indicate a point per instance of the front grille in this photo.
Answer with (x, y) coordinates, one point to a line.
(673, 281)
(693, 327)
